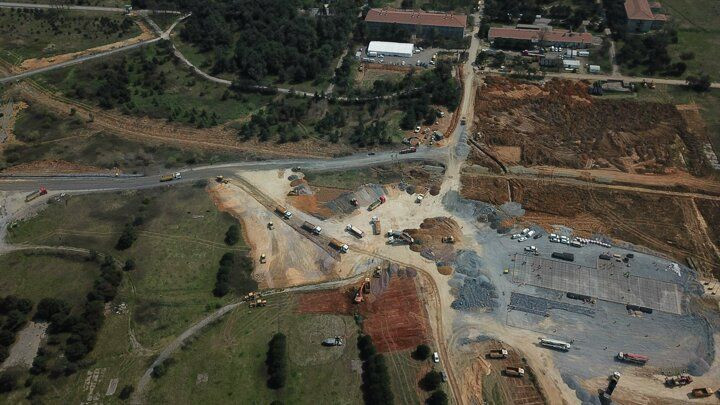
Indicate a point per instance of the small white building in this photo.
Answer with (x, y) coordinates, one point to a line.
(571, 64)
(376, 48)
(594, 68)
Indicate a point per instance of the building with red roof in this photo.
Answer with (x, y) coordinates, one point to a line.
(643, 16)
(545, 37)
(420, 23)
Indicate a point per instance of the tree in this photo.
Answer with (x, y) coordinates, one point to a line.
(127, 238)
(366, 347)
(276, 361)
(126, 392)
(699, 83)
(438, 397)
(129, 265)
(8, 381)
(39, 387)
(422, 352)
(431, 380)
(232, 236)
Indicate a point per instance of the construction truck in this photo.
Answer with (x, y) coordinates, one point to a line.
(448, 239)
(263, 258)
(355, 231)
(354, 202)
(311, 228)
(336, 244)
(702, 392)
(633, 358)
(376, 203)
(395, 237)
(283, 212)
(678, 380)
(35, 194)
(170, 177)
(497, 354)
(377, 272)
(514, 371)
(221, 179)
(420, 198)
(376, 226)
(366, 286)
(555, 344)
(408, 150)
(336, 341)
(258, 303)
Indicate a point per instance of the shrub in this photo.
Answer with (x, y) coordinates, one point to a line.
(422, 352)
(276, 361)
(438, 397)
(8, 382)
(126, 392)
(129, 265)
(232, 236)
(431, 381)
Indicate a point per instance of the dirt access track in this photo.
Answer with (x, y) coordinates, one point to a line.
(560, 124)
(394, 318)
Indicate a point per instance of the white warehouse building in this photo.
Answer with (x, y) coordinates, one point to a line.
(376, 48)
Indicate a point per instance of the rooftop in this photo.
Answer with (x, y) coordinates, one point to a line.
(641, 10)
(412, 17)
(544, 35)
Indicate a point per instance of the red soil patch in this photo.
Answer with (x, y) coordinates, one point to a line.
(395, 320)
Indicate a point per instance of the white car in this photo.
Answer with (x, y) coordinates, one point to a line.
(525, 231)
(530, 248)
(436, 357)
(522, 239)
(515, 236)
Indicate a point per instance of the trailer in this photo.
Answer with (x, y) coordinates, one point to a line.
(171, 177)
(701, 392)
(355, 231)
(311, 228)
(337, 245)
(555, 344)
(35, 194)
(376, 226)
(497, 354)
(633, 358)
(564, 256)
(376, 203)
(408, 150)
(678, 380)
(336, 341)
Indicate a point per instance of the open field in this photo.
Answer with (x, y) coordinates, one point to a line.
(698, 32)
(37, 274)
(559, 124)
(179, 243)
(42, 33)
(227, 360)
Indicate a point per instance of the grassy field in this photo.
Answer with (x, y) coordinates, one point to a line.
(405, 372)
(698, 23)
(40, 33)
(179, 244)
(166, 91)
(352, 179)
(226, 363)
(36, 275)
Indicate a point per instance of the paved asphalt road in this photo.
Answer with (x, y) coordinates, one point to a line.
(206, 172)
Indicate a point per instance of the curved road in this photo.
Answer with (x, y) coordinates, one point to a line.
(109, 183)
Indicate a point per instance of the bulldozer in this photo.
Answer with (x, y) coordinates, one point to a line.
(258, 303)
(363, 289)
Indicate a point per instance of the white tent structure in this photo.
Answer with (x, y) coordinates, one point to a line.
(376, 48)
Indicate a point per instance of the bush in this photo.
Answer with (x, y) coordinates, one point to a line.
(8, 382)
(159, 370)
(438, 397)
(366, 347)
(4, 353)
(39, 387)
(232, 236)
(276, 361)
(126, 392)
(127, 238)
(422, 352)
(431, 381)
(129, 265)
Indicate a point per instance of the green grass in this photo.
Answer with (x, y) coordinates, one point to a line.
(177, 250)
(35, 124)
(698, 23)
(39, 274)
(405, 372)
(232, 354)
(33, 34)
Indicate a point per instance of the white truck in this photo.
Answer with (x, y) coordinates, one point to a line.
(311, 228)
(355, 231)
(283, 212)
(336, 244)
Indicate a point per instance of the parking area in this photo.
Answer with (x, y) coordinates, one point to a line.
(609, 283)
(422, 58)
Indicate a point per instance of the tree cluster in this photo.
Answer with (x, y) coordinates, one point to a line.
(232, 236)
(422, 352)
(699, 83)
(14, 314)
(376, 380)
(222, 278)
(650, 52)
(431, 381)
(276, 361)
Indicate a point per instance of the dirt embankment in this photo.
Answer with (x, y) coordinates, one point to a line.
(668, 224)
(432, 239)
(39, 167)
(395, 319)
(559, 124)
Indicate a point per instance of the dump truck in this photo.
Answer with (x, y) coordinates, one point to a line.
(555, 344)
(336, 341)
(514, 371)
(35, 194)
(678, 380)
(354, 202)
(463, 121)
(258, 303)
(448, 239)
(366, 286)
(633, 358)
(355, 231)
(376, 203)
(336, 244)
(498, 354)
(171, 177)
(311, 228)
(701, 392)
(376, 226)
(283, 212)
(408, 150)
(221, 179)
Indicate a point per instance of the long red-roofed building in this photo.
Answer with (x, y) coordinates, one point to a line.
(544, 37)
(421, 23)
